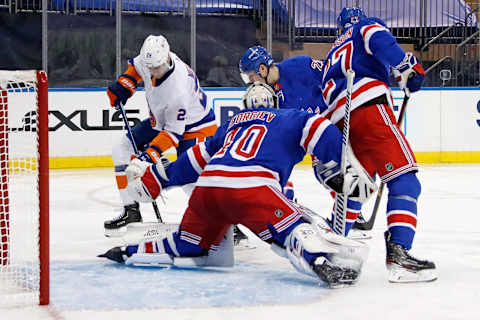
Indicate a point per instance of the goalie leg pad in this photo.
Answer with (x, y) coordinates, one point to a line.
(353, 209)
(320, 253)
(349, 252)
(172, 250)
(303, 246)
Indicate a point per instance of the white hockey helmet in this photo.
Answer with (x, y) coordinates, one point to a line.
(260, 95)
(155, 51)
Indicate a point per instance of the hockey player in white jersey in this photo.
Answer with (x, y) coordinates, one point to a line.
(238, 175)
(179, 115)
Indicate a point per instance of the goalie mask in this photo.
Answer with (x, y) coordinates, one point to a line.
(155, 52)
(260, 95)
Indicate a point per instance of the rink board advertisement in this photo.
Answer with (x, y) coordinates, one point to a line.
(441, 125)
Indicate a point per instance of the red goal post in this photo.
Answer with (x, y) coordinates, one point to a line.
(24, 188)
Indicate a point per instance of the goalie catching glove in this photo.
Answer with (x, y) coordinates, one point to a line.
(409, 73)
(356, 183)
(146, 180)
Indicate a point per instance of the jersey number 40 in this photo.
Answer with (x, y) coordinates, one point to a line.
(245, 146)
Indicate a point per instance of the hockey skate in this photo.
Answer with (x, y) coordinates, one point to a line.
(238, 235)
(359, 223)
(240, 239)
(358, 229)
(402, 267)
(116, 226)
(334, 275)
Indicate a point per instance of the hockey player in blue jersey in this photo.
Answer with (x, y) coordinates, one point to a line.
(238, 175)
(367, 46)
(297, 81)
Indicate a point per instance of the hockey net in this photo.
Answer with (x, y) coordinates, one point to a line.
(24, 229)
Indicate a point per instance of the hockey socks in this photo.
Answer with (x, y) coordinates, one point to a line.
(402, 208)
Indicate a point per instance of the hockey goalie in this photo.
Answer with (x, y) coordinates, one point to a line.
(239, 174)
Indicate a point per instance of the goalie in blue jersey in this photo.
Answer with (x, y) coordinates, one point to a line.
(239, 174)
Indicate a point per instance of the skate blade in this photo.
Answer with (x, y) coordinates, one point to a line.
(120, 232)
(397, 274)
(115, 233)
(342, 285)
(356, 234)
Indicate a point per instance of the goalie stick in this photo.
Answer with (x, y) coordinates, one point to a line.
(368, 225)
(135, 149)
(339, 221)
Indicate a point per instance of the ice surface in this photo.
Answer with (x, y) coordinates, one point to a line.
(261, 285)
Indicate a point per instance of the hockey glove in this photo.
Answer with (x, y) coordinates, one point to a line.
(146, 180)
(328, 174)
(152, 154)
(357, 187)
(409, 73)
(121, 90)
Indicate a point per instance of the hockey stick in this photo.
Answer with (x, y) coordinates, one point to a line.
(340, 218)
(135, 149)
(368, 225)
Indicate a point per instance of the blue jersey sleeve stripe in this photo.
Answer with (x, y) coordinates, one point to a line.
(198, 157)
(367, 33)
(380, 43)
(312, 132)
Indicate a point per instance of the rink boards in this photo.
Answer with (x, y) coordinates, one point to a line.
(442, 125)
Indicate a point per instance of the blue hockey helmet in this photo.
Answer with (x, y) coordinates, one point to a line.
(251, 61)
(348, 17)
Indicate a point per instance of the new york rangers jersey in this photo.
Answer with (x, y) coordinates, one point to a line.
(176, 102)
(257, 147)
(299, 85)
(369, 49)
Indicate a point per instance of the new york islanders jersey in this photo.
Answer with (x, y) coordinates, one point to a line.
(176, 102)
(299, 85)
(257, 147)
(369, 49)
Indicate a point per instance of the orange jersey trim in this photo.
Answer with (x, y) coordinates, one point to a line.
(201, 134)
(121, 181)
(163, 141)
(133, 73)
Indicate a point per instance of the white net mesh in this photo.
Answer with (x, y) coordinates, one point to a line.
(19, 192)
